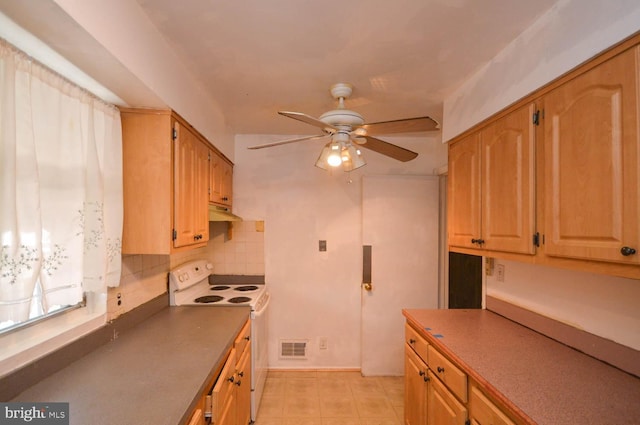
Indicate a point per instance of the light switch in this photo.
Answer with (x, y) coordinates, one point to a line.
(322, 246)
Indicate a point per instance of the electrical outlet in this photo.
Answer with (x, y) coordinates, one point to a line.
(500, 272)
(322, 343)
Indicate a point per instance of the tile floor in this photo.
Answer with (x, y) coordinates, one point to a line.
(331, 398)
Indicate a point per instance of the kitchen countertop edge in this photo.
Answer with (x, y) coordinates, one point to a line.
(550, 395)
(155, 372)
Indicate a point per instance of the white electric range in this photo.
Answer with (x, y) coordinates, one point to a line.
(194, 284)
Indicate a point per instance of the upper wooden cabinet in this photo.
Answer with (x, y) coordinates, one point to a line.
(568, 179)
(220, 180)
(591, 164)
(166, 178)
(191, 185)
(491, 186)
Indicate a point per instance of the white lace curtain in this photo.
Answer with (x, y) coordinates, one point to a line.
(60, 190)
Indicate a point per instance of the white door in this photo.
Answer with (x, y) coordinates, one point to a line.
(400, 223)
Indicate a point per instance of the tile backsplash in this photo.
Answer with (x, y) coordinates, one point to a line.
(145, 277)
(243, 253)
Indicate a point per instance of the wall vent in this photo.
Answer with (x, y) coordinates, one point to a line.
(293, 349)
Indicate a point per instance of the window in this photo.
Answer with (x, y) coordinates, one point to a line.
(60, 191)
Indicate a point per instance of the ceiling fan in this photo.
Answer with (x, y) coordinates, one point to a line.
(348, 132)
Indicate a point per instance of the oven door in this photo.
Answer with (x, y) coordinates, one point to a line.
(259, 354)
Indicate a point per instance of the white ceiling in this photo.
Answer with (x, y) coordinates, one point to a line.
(403, 57)
(256, 57)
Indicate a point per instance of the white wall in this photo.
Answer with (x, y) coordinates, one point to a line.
(314, 294)
(570, 33)
(126, 32)
(604, 306)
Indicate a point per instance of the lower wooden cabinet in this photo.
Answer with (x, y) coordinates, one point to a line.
(243, 376)
(439, 392)
(228, 402)
(443, 408)
(427, 399)
(483, 411)
(415, 388)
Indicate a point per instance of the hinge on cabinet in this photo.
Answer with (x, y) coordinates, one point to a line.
(174, 133)
(536, 239)
(174, 235)
(536, 117)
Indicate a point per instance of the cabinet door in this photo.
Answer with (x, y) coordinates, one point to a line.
(591, 163)
(484, 412)
(443, 407)
(221, 180)
(464, 192)
(415, 389)
(243, 390)
(190, 189)
(508, 190)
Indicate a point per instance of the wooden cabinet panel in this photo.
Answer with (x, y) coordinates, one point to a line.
(508, 190)
(447, 372)
(243, 389)
(415, 388)
(220, 180)
(463, 195)
(222, 396)
(591, 163)
(443, 407)
(491, 186)
(165, 183)
(191, 185)
(416, 341)
(483, 412)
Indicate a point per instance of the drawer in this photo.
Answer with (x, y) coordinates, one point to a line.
(453, 378)
(483, 411)
(416, 341)
(243, 338)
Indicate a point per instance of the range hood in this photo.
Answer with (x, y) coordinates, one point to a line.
(217, 213)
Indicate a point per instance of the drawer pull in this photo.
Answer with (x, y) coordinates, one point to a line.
(247, 338)
(241, 374)
(440, 369)
(230, 379)
(412, 341)
(627, 251)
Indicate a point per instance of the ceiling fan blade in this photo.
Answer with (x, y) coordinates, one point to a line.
(409, 125)
(327, 128)
(284, 142)
(386, 148)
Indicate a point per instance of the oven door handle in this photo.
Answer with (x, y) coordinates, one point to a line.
(257, 313)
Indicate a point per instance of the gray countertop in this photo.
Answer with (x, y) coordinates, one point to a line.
(151, 374)
(547, 381)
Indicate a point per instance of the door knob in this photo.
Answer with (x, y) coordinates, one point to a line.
(367, 286)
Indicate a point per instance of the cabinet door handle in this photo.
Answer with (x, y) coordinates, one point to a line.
(241, 374)
(231, 379)
(412, 341)
(247, 338)
(422, 373)
(474, 240)
(426, 378)
(627, 251)
(440, 369)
